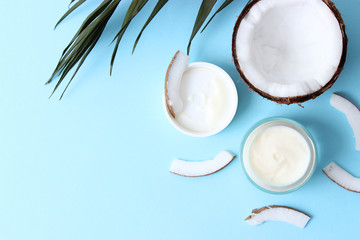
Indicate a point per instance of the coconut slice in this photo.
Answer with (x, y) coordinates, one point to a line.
(342, 177)
(174, 73)
(278, 213)
(201, 168)
(352, 114)
(289, 51)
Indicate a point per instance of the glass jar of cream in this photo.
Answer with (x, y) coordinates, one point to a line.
(278, 155)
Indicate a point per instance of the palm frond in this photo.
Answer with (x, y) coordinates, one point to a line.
(92, 45)
(93, 15)
(224, 5)
(67, 13)
(156, 9)
(90, 31)
(84, 41)
(89, 19)
(204, 11)
(133, 10)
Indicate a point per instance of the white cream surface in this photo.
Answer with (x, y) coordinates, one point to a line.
(279, 155)
(205, 97)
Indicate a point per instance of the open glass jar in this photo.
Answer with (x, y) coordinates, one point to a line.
(278, 155)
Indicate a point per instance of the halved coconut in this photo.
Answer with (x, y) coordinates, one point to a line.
(174, 73)
(289, 51)
(278, 213)
(352, 114)
(201, 168)
(342, 177)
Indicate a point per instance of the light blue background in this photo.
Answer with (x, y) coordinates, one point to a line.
(95, 164)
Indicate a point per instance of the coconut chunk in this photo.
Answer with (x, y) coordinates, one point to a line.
(342, 177)
(352, 114)
(278, 213)
(173, 77)
(201, 168)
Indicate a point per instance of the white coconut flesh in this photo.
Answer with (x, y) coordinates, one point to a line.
(173, 79)
(201, 168)
(289, 48)
(352, 114)
(342, 177)
(278, 213)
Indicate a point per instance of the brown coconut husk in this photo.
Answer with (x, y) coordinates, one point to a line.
(296, 99)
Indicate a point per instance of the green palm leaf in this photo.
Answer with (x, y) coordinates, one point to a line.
(157, 8)
(204, 11)
(76, 5)
(70, 47)
(83, 42)
(90, 31)
(224, 5)
(133, 10)
(92, 45)
(92, 16)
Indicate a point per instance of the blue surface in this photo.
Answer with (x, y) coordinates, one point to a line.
(95, 164)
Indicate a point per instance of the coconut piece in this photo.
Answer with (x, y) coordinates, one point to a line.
(289, 51)
(342, 178)
(173, 77)
(201, 168)
(352, 114)
(278, 213)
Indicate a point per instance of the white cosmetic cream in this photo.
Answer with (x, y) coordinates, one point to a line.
(209, 100)
(279, 155)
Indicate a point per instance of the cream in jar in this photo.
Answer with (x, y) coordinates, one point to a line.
(203, 100)
(278, 156)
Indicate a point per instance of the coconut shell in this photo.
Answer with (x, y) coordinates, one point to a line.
(346, 188)
(295, 99)
(209, 173)
(259, 210)
(325, 171)
(165, 90)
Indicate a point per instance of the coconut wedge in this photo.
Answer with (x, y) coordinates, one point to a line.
(289, 51)
(352, 114)
(201, 168)
(278, 213)
(174, 73)
(342, 177)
